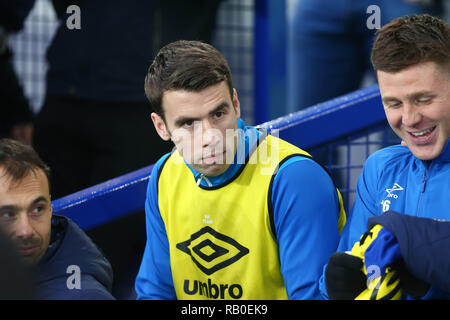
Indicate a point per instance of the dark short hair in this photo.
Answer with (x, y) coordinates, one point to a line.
(19, 160)
(410, 40)
(188, 65)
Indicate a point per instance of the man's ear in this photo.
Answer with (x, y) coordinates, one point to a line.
(160, 126)
(236, 103)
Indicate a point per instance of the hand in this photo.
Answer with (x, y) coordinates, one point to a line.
(343, 276)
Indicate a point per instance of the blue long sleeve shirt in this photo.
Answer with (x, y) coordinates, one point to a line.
(306, 213)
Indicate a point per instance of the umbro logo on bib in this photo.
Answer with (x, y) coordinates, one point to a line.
(211, 250)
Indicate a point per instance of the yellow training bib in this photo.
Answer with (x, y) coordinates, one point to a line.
(222, 244)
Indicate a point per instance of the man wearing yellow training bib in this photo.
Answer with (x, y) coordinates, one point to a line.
(232, 212)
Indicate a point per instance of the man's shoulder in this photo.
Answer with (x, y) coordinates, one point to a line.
(159, 165)
(73, 253)
(152, 185)
(306, 170)
(162, 160)
(390, 156)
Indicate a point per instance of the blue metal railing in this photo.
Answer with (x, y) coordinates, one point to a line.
(331, 120)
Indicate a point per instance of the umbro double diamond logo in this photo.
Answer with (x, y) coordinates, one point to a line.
(211, 250)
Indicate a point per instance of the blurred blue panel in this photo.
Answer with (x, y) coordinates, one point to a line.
(261, 61)
(270, 56)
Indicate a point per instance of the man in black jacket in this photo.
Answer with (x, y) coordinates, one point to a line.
(66, 263)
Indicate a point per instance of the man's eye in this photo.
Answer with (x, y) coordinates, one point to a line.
(7, 215)
(188, 124)
(219, 114)
(424, 100)
(393, 104)
(38, 210)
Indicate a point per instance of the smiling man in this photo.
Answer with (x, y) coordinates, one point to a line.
(50, 245)
(411, 57)
(232, 212)
(417, 104)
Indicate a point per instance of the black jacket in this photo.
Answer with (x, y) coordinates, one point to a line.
(70, 250)
(424, 245)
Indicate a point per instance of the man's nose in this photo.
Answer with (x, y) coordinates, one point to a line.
(209, 134)
(411, 115)
(24, 229)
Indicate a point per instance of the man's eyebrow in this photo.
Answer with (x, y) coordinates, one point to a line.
(220, 107)
(40, 199)
(13, 207)
(421, 93)
(9, 207)
(388, 99)
(181, 120)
